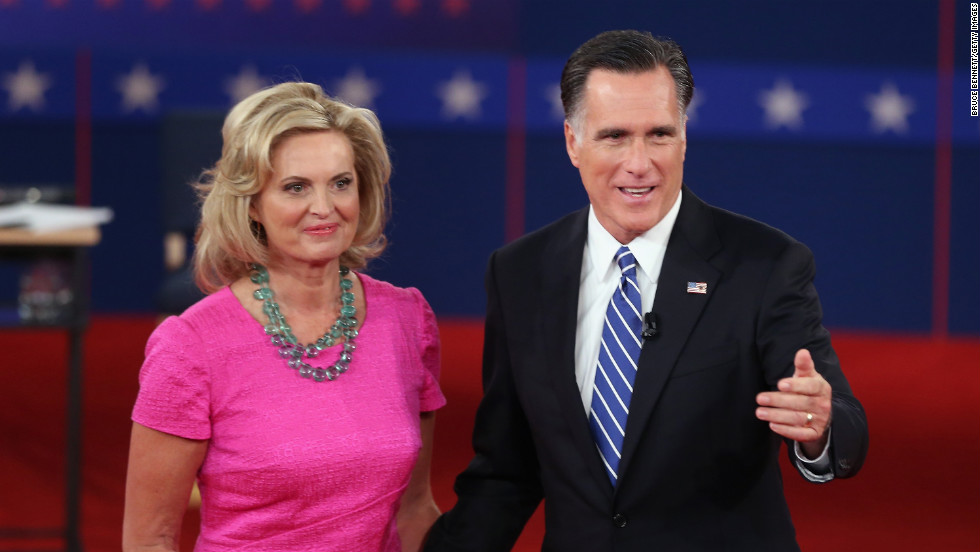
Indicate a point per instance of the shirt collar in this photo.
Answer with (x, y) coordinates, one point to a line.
(648, 248)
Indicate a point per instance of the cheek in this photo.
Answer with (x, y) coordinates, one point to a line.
(670, 162)
(605, 173)
(352, 207)
(350, 212)
(599, 163)
(285, 214)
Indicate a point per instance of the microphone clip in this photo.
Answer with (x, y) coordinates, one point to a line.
(649, 325)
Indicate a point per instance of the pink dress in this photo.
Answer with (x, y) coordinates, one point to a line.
(293, 464)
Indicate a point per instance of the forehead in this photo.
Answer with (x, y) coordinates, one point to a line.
(630, 96)
(317, 144)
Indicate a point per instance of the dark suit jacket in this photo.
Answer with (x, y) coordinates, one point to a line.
(699, 471)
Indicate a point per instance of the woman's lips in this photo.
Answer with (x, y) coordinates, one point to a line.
(321, 229)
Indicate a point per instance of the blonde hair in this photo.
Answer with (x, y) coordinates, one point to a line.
(227, 239)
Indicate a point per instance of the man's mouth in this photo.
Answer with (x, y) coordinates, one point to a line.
(636, 192)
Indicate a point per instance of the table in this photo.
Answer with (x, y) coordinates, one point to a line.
(21, 244)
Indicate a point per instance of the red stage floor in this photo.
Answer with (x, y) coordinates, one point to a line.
(919, 490)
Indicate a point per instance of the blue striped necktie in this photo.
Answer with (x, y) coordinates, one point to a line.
(614, 376)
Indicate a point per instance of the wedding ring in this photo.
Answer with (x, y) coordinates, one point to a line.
(809, 418)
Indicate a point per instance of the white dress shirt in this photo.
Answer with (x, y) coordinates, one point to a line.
(599, 278)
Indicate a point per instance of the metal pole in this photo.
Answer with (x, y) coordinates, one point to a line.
(73, 424)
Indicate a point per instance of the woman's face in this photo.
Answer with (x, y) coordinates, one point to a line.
(308, 203)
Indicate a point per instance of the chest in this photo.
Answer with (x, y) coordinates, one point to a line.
(274, 431)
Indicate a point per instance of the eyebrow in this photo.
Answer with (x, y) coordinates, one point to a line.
(603, 132)
(659, 129)
(343, 174)
(663, 129)
(338, 176)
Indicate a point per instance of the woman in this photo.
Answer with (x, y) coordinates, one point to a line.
(311, 434)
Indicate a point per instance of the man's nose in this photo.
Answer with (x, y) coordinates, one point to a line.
(638, 161)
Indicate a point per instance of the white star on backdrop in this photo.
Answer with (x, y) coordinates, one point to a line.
(889, 109)
(461, 96)
(140, 89)
(244, 84)
(553, 95)
(26, 87)
(783, 105)
(356, 89)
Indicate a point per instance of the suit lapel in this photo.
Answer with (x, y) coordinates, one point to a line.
(692, 241)
(562, 272)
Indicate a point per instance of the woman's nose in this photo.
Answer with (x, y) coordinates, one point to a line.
(322, 204)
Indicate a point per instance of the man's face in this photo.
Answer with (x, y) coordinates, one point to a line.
(629, 148)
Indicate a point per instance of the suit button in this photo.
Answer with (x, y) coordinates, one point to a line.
(620, 520)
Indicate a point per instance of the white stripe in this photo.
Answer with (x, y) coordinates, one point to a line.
(608, 467)
(613, 445)
(618, 370)
(615, 334)
(611, 415)
(602, 370)
(632, 283)
(623, 320)
(632, 306)
(621, 347)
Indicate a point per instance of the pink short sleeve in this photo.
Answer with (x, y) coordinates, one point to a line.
(174, 395)
(430, 397)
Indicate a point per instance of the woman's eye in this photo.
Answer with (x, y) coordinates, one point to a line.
(295, 187)
(343, 183)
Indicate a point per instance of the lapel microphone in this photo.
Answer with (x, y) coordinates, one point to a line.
(649, 325)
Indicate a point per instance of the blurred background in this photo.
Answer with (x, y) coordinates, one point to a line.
(845, 123)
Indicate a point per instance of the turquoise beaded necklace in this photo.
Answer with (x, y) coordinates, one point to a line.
(281, 334)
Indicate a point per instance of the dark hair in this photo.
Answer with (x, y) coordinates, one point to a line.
(624, 52)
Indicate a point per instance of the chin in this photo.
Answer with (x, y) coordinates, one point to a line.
(642, 224)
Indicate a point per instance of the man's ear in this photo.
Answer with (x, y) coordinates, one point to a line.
(684, 144)
(571, 144)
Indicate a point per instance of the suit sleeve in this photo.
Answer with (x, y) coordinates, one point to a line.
(791, 319)
(500, 489)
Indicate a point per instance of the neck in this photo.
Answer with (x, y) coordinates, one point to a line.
(284, 336)
(305, 287)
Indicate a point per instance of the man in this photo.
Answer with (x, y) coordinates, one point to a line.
(652, 420)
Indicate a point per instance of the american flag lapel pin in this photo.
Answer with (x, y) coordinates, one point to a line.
(697, 287)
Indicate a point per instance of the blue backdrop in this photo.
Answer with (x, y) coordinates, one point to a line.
(829, 119)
